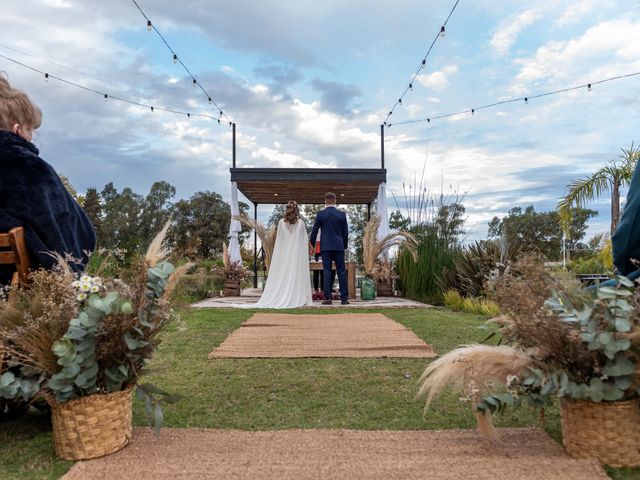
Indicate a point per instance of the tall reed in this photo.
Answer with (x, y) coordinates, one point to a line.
(419, 277)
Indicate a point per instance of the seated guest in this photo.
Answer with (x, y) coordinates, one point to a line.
(31, 193)
(626, 239)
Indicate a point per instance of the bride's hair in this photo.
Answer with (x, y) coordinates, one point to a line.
(292, 214)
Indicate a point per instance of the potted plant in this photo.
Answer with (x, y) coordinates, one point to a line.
(378, 268)
(234, 274)
(560, 342)
(82, 343)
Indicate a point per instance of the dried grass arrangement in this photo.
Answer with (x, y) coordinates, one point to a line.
(267, 236)
(375, 252)
(558, 342)
(71, 336)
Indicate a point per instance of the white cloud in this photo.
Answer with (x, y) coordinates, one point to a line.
(608, 48)
(507, 32)
(576, 11)
(439, 79)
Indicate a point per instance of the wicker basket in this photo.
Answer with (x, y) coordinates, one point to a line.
(607, 431)
(92, 426)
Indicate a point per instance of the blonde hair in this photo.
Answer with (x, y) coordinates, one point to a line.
(292, 214)
(16, 107)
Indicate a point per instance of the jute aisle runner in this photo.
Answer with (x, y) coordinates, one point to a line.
(277, 335)
(181, 454)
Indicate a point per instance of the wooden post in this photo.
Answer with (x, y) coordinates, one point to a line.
(382, 145)
(255, 248)
(233, 127)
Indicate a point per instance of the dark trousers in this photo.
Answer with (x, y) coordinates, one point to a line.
(328, 257)
(318, 277)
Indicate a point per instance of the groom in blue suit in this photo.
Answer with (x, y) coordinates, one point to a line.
(335, 237)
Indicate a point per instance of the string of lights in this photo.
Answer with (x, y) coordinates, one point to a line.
(176, 59)
(526, 99)
(106, 96)
(423, 63)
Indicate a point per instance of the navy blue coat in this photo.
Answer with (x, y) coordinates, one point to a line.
(32, 196)
(626, 239)
(335, 230)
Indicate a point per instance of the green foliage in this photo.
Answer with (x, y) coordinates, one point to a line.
(81, 373)
(540, 231)
(197, 286)
(418, 279)
(479, 306)
(153, 399)
(608, 367)
(477, 266)
(201, 225)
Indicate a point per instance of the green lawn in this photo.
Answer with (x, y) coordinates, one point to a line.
(277, 394)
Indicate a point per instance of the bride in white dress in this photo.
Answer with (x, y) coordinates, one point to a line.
(288, 284)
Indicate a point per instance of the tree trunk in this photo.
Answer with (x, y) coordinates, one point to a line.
(615, 205)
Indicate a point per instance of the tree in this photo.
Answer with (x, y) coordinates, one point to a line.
(93, 208)
(609, 178)
(450, 221)
(156, 209)
(201, 224)
(358, 218)
(120, 226)
(74, 193)
(398, 222)
(540, 231)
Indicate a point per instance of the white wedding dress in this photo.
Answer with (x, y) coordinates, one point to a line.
(288, 284)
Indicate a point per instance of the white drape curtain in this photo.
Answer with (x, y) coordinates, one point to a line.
(382, 212)
(235, 227)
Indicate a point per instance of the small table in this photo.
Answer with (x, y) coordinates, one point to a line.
(351, 274)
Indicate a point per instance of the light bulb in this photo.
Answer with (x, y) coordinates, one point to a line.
(390, 113)
(424, 62)
(400, 101)
(194, 82)
(106, 97)
(175, 58)
(589, 87)
(473, 111)
(210, 100)
(442, 31)
(218, 121)
(188, 115)
(152, 108)
(411, 87)
(46, 77)
(428, 120)
(526, 100)
(149, 25)
(220, 113)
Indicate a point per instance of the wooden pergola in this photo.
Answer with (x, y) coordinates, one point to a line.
(352, 186)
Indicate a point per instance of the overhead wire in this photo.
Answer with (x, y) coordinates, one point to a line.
(526, 99)
(107, 96)
(177, 59)
(423, 63)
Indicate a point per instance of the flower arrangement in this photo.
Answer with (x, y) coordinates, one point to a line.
(377, 265)
(558, 342)
(67, 337)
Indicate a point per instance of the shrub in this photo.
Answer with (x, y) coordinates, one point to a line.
(418, 278)
(479, 306)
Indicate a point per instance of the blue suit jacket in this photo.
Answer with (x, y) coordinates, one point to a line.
(626, 239)
(335, 230)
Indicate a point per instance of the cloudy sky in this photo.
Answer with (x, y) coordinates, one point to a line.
(309, 83)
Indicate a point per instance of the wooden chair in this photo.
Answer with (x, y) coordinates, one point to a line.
(13, 251)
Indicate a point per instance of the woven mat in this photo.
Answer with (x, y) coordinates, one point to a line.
(180, 454)
(277, 335)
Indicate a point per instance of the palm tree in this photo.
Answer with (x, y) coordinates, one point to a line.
(611, 177)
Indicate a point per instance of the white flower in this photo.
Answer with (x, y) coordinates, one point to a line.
(96, 281)
(85, 287)
(75, 284)
(81, 296)
(85, 278)
(95, 289)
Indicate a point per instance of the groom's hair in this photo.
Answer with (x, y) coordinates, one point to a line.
(330, 197)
